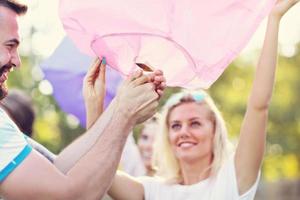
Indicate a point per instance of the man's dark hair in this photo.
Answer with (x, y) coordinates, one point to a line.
(18, 8)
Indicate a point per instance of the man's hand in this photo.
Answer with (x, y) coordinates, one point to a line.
(138, 96)
(159, 81)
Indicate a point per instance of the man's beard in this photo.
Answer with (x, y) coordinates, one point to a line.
(3, 91)
(3, 87)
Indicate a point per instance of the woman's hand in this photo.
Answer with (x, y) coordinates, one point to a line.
(281, 7)
(159, 81)
(94, 91)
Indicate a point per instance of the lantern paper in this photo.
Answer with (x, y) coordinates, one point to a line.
(192, 41)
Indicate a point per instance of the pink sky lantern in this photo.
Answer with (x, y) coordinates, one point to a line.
(192, 41)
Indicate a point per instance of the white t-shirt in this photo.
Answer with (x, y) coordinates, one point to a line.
(221, 187)
(13, 146)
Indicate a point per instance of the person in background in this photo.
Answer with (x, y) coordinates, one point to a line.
(145, 143)
(20, 109)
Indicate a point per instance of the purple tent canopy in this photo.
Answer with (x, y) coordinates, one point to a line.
(65, 69)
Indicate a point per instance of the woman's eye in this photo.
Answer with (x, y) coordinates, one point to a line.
(175, 126)
(195, 124)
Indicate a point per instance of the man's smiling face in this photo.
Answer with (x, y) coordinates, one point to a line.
(9, 42)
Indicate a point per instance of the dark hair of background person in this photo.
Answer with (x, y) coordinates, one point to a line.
(19, 107)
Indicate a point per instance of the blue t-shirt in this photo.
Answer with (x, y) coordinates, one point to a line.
(13, 146)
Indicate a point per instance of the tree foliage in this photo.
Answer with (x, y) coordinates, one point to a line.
(55, 129)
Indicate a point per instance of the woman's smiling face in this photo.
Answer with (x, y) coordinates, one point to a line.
(191, 131)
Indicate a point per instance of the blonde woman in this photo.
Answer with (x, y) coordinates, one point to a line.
(192, 156)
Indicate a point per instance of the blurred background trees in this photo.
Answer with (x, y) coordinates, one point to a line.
(56, 129)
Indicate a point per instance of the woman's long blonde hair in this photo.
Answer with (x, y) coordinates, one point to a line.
(164, 160)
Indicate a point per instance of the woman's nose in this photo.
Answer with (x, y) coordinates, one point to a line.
(184, 131)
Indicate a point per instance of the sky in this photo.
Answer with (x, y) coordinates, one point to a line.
(49, 31)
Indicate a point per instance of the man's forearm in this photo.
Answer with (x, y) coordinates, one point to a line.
(107, 137)
(72, 153)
